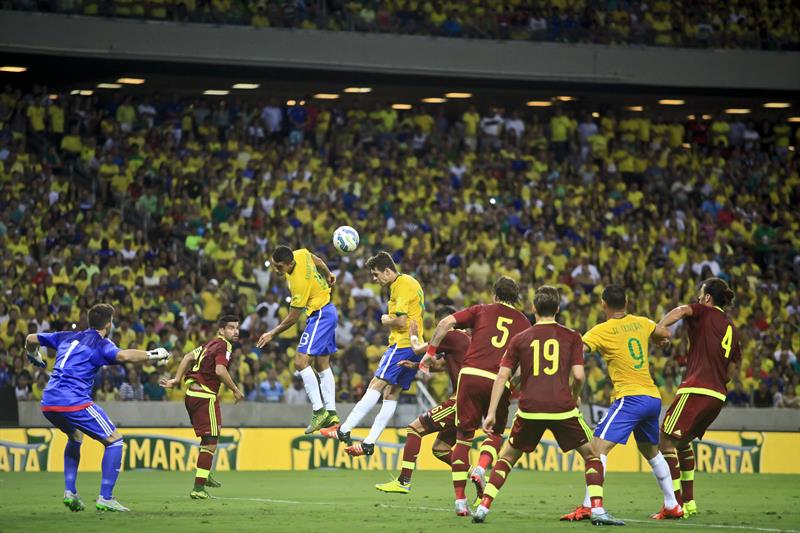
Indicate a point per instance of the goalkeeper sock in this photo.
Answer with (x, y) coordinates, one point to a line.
(112, 461)
(364, 406)
(72, 457)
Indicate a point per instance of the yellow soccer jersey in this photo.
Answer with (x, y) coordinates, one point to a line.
(308, 288)
(406, 298)
(623, 343)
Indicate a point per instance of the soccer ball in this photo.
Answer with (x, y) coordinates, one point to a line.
(345, 239)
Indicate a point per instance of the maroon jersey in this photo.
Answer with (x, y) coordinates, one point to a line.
(493, 326)
(217, 351)
(545, 353)
(454, 347)
(713, 346)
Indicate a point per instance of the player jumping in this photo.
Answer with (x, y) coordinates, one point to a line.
(548, 354)
(209, 368)
(310, 282)
(713, 359)
(440, 419)
(406, 305)
(493, 326)
(623, 341)
(67, 399)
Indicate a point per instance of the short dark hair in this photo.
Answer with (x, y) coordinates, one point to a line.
(283, 254)
(223, 320)
(719, 291)
(614, 296)
(381, 261)
(546, 300)
(506, 290)
(445, 310)
(100, 315)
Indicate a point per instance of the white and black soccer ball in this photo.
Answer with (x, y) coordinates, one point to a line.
(345, 239)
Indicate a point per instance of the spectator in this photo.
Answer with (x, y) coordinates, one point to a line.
(738, 397)
(296, 394)
(132, 389)
(152, 391)
(271, 389)
(762, 397)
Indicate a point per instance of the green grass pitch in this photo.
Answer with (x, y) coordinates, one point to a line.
(326, 500)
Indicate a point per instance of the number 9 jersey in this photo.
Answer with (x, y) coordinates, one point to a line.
(624, 344)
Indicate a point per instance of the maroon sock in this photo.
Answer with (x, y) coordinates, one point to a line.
(445, 456)
(686, 461)
(594, 481)
(675, 472)
(204, 460)
(410, 453)
(460, 465)
(490, 449)
(499, 476)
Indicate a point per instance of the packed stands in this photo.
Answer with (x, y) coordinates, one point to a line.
(167, 208)
(686, 23)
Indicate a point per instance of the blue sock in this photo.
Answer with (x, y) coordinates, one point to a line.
(112, 461)
(72, 457)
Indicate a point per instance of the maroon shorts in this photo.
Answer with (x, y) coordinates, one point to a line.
(472, 403)
(204, 413)
(440, 418)
(690, 415)
(570, 433)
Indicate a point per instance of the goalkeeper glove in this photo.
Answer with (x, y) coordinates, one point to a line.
(34, 356)
(159, 354)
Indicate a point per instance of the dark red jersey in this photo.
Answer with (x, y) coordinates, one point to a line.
(454, 347)
(217, 351)
(493, 326)
(713, 346)
(545, 354)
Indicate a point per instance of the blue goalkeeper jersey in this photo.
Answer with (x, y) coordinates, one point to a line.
(78, 356)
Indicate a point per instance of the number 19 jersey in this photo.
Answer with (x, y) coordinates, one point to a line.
(545, 354)
(493, 326)
(624, 344)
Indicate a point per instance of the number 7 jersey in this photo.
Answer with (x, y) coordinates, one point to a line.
(624, 344)
(493, 326)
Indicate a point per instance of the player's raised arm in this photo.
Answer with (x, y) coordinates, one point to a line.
(497, 391)
(444, 326)
(187, 360)
(290, 320)
(676, 314)
(324, 270)
(140, 356)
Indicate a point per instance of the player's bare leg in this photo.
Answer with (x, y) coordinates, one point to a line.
(367, 447)
(111, 464)
(327, 386)
(668, 447)
(72, 458)
(302, 362)
(208, 447)
(502, 468)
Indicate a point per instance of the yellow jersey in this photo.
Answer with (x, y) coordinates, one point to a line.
(623, 343)
(309, 290)
(405, 298)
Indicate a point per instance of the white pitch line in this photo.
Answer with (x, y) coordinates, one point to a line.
(512, 511)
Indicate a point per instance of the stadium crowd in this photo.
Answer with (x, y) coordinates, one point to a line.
(686, 23)
(168, 208)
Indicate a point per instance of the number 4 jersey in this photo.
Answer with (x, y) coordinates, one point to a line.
(624, 344)
(714, 344)
(493, 326)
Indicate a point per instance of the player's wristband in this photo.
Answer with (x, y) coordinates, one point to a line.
(414, 338)
(431, 351)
